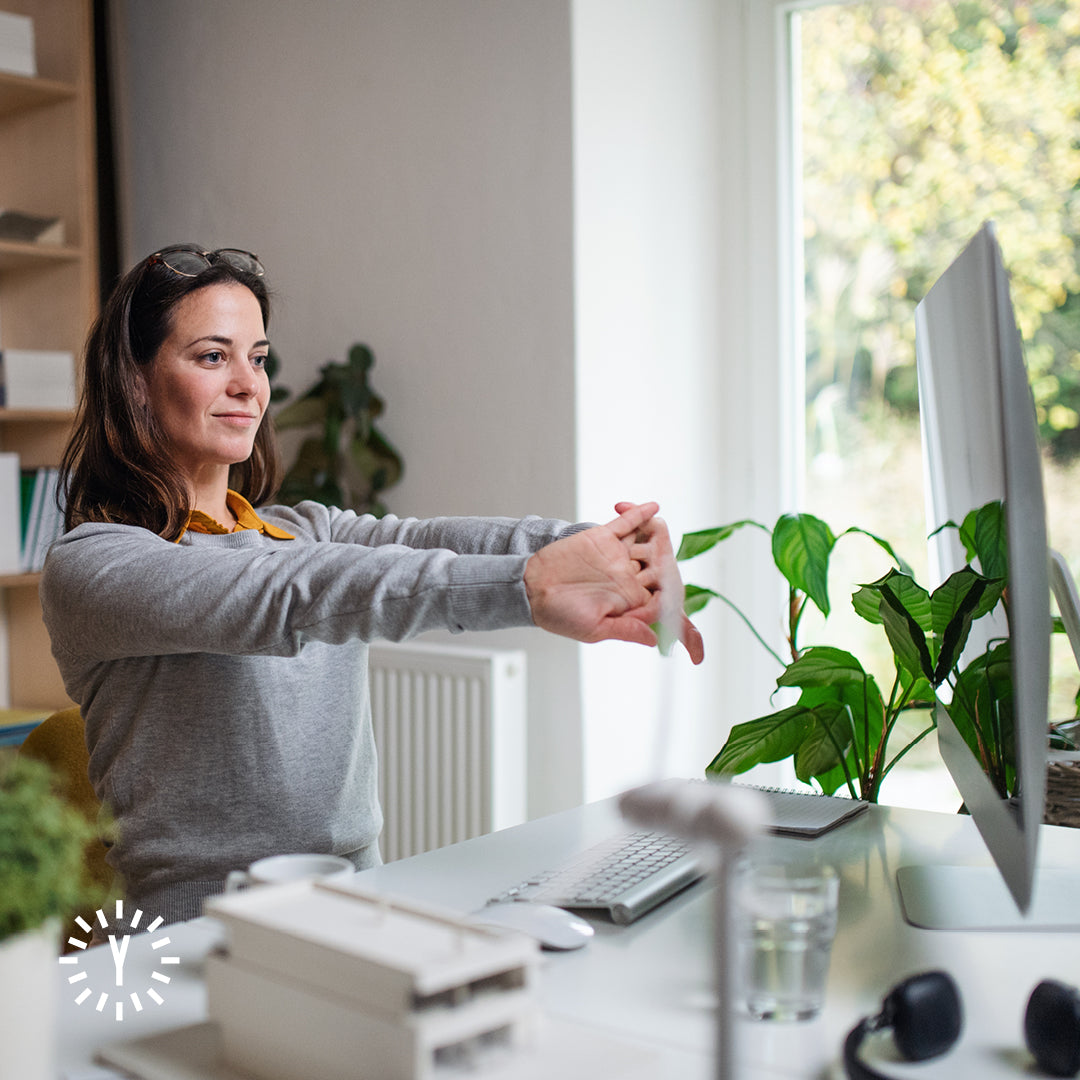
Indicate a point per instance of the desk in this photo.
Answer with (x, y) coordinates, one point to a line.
(649, 983)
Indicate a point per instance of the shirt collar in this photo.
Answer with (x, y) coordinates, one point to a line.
(246, 518)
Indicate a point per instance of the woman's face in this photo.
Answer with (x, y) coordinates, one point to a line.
(207, 386)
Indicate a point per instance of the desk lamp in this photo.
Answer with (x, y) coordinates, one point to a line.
(725, 819)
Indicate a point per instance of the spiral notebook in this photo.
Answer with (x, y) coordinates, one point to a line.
(807, 813)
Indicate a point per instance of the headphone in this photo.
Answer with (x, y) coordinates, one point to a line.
(925, 1016)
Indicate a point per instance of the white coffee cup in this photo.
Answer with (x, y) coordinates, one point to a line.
(275, 869)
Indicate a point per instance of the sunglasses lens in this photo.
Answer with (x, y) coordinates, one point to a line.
(240, 260)
(188, 263)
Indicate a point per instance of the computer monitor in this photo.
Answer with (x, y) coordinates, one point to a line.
(980, 446)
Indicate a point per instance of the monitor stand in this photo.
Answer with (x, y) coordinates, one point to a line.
(978, 897)
(975, 898)
(1064, 589)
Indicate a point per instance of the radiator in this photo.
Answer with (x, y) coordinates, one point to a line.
(450, 730)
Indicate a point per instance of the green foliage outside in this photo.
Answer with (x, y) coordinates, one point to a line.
(922, 119)
(42, 870)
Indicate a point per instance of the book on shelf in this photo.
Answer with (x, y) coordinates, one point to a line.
(17, 55)
(35, 519)
(37, 379)
(10, 522)
(16, 724)
(44, 521)
(31, 228)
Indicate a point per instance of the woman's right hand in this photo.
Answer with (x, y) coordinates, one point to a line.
(610, 582)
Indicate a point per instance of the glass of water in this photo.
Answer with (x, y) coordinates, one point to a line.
(785, 920)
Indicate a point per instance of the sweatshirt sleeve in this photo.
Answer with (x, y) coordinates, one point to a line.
(114, 591)
(462, 535)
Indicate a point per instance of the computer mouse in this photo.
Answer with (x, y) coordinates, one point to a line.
(554, 927)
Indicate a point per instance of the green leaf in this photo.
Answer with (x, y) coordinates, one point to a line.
(981, 709)
(965, 589)
(827, 743)
(911, 596)
(769, 738)
(984, 536)
(918, 689)
(865, 711)
(666, 637)
(696, 543)
(302, 412)
(822, 665)
(906, 636)
(884, 545)
(964, 597)
(801, 545)
(696, 597)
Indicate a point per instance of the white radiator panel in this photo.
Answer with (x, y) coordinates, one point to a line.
(450, 730)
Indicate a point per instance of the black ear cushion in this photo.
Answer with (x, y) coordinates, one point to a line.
(1052, 1027)
(925, 1014)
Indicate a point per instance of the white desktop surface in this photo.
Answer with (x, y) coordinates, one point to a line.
(649, 983)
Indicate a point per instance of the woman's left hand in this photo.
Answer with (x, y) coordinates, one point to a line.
(653, 549)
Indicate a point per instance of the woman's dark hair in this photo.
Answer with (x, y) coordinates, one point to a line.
(117, 466)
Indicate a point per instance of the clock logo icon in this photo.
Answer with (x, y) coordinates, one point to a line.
(119, 936)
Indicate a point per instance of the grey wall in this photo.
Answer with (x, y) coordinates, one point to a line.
(403, 169)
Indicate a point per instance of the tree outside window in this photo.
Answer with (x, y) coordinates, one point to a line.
(919, 121)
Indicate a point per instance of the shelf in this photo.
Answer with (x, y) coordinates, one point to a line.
(36, 416)
(19, 581)
(21, 92)
(48, 291)
(15, 255)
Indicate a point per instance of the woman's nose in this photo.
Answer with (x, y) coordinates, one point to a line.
(244, 383)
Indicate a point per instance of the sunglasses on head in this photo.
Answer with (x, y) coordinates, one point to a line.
(190, 262)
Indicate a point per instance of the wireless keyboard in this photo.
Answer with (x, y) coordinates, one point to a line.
(630, 873)
(624, 876)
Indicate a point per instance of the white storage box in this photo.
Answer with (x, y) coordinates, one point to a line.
(17, 55)
(37, 379)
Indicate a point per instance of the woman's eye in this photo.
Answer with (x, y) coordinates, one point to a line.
(259, 361)
(213, 357)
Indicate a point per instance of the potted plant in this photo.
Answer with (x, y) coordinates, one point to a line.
(839, 730)
(43, 880)
(346, 462)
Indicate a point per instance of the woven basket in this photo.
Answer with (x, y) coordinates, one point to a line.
(1063, 793)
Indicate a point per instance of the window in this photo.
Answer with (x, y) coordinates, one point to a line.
(915, 122)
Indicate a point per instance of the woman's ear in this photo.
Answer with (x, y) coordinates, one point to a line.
(142, 391)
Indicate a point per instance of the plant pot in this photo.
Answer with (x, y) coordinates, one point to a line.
(28, 975)
(1063, 793)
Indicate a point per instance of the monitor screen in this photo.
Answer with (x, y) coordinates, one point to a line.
(982, 464)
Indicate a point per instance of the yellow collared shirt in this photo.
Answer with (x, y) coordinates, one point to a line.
(246, 518)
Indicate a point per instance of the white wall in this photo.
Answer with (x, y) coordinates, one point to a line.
(678, 346)
(519, 206)
(649, 371)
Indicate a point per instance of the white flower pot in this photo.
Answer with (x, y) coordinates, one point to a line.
(29, 990)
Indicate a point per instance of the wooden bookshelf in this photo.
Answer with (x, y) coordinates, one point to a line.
(19, 256)
(18, 93)
(48, 292)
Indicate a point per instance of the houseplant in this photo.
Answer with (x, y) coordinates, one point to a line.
(839, 730)
(43, 880)
(346, 461)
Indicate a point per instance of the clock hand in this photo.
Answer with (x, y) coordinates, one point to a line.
(118, 954)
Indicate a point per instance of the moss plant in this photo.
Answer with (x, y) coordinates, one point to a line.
(42, 872)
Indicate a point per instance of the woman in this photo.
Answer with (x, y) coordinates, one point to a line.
(218, 652)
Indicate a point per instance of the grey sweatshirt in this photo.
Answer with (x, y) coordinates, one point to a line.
(223, 679)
